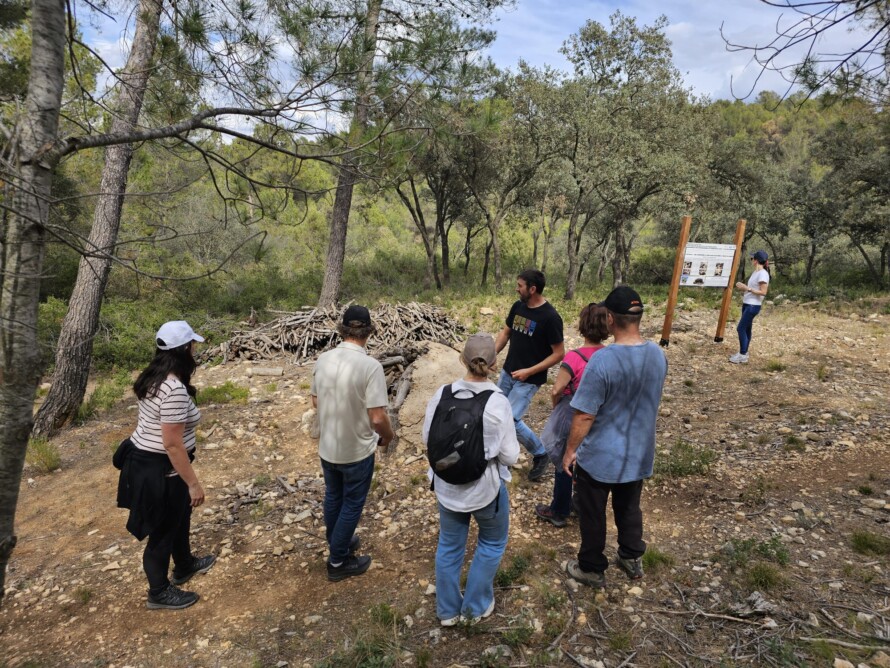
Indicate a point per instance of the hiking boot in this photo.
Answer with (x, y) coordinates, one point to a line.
(350, 567)
(591, 578)
(172, 598)
(739, 358)
(476, 620)
(545, 513)
(539, 467)
(199, 565)
(633, 567)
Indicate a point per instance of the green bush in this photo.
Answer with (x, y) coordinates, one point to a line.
(871, 544)
(764, 577)
(514, 572)
(227, 393)
(653, 265)
(684, 459)
(106, 394)
(654, 558)
(43, 455)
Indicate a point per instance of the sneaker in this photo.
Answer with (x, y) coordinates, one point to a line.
(544, 512)
(172, 598)
(199, 565)
(451, 621)
(738, 358)
(539, 467)
(633, 567)
(591, 579)
(484, 615)
(350, 567)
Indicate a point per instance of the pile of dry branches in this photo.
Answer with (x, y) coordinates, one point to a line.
(305, 334)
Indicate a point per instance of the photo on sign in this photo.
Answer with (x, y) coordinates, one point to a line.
(706, 265)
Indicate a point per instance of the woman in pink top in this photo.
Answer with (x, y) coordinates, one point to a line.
(593, 327)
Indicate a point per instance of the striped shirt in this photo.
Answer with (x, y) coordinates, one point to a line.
(170, 404)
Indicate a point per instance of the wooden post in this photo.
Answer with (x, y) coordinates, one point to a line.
(727, 293)
(675, 282)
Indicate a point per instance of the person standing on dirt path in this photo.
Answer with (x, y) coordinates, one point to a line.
(349, 391)
(157, 482)
(612, 440)
(755, 290)
(534, 331)
(487, 441)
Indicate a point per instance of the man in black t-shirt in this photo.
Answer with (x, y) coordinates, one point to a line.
(534, 332)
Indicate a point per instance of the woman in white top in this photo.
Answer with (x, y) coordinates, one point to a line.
(484, 499)
(158, 483)
(755, 290)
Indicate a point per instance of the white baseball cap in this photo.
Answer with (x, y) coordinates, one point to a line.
(174, 334)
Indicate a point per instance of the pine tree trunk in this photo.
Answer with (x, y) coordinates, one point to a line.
(572, 256)
(446, 250)
(348, 176)
(75, 347)
(23, 244)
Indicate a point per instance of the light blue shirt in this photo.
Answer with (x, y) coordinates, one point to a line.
(621, 387)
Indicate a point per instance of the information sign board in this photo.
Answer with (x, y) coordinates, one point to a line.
(707, 265)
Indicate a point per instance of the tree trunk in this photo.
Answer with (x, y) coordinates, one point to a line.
(75, 348)
(572, 256)
(446, 249)
(868, 262)
(23, 243)
(811, 263)
(618, 256)
(487, 261)
(348, 176)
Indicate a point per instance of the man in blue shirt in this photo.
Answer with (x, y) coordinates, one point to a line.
(612, 440)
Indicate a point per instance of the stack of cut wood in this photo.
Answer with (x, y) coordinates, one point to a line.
(305, 334)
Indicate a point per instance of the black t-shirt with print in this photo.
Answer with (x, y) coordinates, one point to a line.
(533, 333)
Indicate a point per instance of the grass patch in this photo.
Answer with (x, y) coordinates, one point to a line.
(763, 577)
(755, 494)
(518, 635)
(794, 444)
(871, 544)
(654, 559)
(822, 373)
(227, 393)
(775, 365)
(262, 479)
(83, 595)
(374, 644)
(865, 490)
(107, 393)
(739, 551)
(271, 387)
(514, 573)
(684, 459)
(620, 641)
(43, 455)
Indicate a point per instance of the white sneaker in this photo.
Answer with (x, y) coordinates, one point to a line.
(451, 621)
(484, 615)
(738, 358)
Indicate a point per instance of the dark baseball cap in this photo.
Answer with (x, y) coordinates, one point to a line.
(356, 313)
(623, 300)
(760, 256)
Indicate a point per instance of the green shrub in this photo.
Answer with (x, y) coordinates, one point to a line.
(775, 365)
(104, 396)
(514, 573)
(865, 490)
(43, 455)
(654, 558)
(684, 459)
(227, 393)
(518, 635)
(763, 576)
(865, 542)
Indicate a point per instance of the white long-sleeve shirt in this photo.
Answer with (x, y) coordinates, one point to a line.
(499, 437)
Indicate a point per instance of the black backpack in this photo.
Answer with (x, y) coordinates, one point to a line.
(455, 447)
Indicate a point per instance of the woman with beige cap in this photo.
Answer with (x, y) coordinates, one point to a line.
(483, 498)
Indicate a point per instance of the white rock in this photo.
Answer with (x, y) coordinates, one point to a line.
(113, 566)
(312, 619)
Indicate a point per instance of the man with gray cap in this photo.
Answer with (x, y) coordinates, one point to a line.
(349, 391)
(612, 440)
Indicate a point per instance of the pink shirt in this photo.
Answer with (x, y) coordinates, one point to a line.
(575, 365)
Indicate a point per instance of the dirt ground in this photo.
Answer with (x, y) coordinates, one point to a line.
(800, 472)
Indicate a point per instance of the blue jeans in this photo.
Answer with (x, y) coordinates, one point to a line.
(345, 490)
(520, 396)
(494, 524)
(749, 312)
(562, 493)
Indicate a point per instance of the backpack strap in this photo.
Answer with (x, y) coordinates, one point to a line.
(571, 371)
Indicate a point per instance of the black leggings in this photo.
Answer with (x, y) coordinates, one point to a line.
(170, 538)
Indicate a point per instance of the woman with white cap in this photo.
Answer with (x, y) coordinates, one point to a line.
(755, 290)
(157, 482)
(483, 498)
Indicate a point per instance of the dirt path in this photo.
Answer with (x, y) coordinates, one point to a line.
(798, 439)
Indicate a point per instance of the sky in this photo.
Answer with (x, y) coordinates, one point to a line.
(534, 30)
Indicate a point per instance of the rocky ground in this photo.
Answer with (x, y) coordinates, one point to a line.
(767, 525)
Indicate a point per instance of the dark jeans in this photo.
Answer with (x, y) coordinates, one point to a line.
(346, 488)
(562, 493)
(749, 312)
(170, 538)
(592, 498)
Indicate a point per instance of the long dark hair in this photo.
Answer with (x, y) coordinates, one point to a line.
(178, 361)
